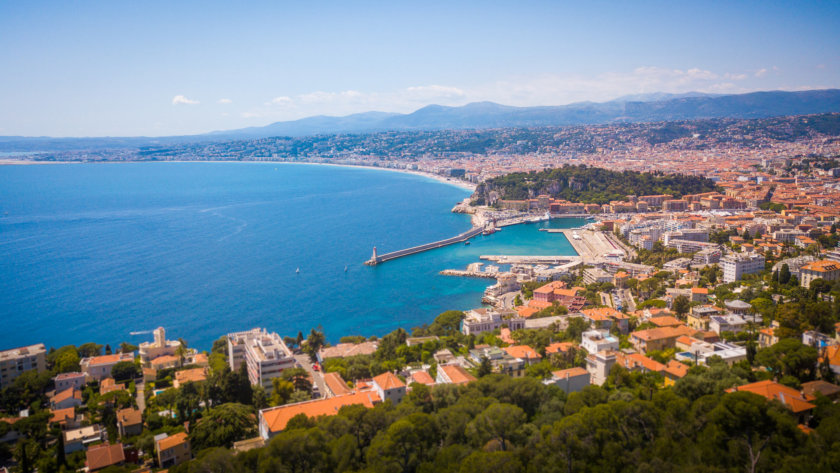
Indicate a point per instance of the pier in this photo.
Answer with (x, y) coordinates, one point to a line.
(377, 259)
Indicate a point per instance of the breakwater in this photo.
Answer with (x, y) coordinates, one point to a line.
(378, 259)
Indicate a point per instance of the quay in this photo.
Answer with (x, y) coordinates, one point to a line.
(592, 245)
(513, 259)
(377, 259)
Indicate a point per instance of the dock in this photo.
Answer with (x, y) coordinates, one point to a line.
(591, 245)
(513, 259)
(377, 259)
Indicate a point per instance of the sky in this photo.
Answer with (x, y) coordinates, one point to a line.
(170, 68)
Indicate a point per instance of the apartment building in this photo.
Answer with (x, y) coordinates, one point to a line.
(264, 354)
(736, 266)
(16, 361)
(825, 269)
(99, 367)
(486, 320)
(172, 449)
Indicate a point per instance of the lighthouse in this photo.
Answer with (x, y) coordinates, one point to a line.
(373, 259)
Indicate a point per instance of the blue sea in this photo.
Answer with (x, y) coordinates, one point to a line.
(108, 252)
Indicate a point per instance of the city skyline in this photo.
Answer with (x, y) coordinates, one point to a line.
(116, 70)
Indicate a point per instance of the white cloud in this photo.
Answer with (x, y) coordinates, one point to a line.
(761, 72)
(182, 100)
(225, 101)
(280, 100)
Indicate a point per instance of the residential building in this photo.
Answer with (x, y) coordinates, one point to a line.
(727, 323)
(389, 387)
(571, 380)
(657, 339)
(336, 386)
(487, 320)
(524, 353)
(594, 341)
(274, 419)
(79, 439)
(824, 269)
(99, 367)
(129, 422)
(453, 374)
(264, 354)
(18, 360)
(344, 350)
(596, 276)
(192, 375)
(68, 398)
(65, 418)
(674, 371)
(767, 337)
(422, 377)
(599, 365)
(102, 456)
(158, 348)
(172, 449)
(736, 266)
(69, 380)
(817, 340)
(772, 391)
(501, 360)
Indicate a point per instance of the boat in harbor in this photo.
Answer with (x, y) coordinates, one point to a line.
(466, 242)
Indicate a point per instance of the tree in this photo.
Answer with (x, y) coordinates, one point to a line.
(681, 305)
(789, 357)
(447, 323)
(784, 274)
(90, 349)
(126, 347)
(222, 425)
(498, 422)
(485, 367)
(281, 392)
(314, 342)
(517, 301)
(125, 370)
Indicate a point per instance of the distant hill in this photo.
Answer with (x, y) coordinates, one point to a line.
(483, 115)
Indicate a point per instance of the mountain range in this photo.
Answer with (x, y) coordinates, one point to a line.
(635, 108)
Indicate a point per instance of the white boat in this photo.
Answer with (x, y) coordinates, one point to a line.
(297, 270)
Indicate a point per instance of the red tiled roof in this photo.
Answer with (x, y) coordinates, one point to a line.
(770, 390)
(456, 374)
(101, 456)
(277, 418)
(336, 384)
(522, 351)
(388, 380)
(422, 377)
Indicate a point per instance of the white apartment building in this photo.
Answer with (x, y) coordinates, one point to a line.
(69, 380)
(18, 360)
(486, 320)
(736, 266)
(594, 341)
(159, 347)
(264, 354)
(99, 367)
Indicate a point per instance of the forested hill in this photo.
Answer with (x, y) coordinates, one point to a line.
(589, 185)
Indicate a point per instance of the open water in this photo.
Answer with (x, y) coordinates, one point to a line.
(108, 252)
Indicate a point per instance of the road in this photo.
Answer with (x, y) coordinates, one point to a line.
(317, 377)
(141, 396)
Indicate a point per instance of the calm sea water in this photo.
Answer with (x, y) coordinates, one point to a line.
(94, 252)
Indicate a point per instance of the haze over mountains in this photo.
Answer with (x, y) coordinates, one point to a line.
(636, 108)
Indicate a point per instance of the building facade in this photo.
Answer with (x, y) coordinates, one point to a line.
(16, 361)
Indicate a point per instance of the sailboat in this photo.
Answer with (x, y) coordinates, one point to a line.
(345, 268)
(297, 271)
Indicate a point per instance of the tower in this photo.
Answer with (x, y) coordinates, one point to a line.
(373, 258)
(160, 337)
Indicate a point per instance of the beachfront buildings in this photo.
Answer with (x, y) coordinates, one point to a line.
(825, 269)
(99, 367)
(486, 320)
(264, 354)
(736, 266)
(18, 360)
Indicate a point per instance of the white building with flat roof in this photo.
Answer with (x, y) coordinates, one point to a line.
(736, 266)
(264, 354)
(159, 347)
(486, 320)
(16, 361)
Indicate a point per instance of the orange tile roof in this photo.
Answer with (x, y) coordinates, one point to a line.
(665, 321)
(676, 369)
(602, 313)
(336, 384)
(101, 456)
(525, 311)
(539, 304)
(571, 372)
(522, 351)
(67, 394)
(636, 360)
(457, 374)
(194, 375)
(822, 266)
(550, 287)
(559, 347)
(504, 335)
(63, 415)
(422, 377)
(388, 380)
(660, 333)
(165, 359)
(832, 353)
(699, 290)
(172, 441)
(791, 398)
(129, 416)
(276, 418)
(107, 359)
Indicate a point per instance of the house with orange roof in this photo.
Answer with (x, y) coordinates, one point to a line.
(336, 386)
(772, 391)
(524, 353)
(109, 385)
(767, 337)
(453, 374)
(665, 321)
(422, 377)
(660, 338)
(129, 422)
(68, 398)
(674, 370)
(102, 456)
(165, 362)
(173, 450)
(699, 294)
(604, 318)
(559, 347)
(274, 419)
(192, 375)
(526, 311)
(65, 418)
(638, 362)
(99, 367)
(389, 387)
(824, 269)
(571, 380)
(832, 355)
